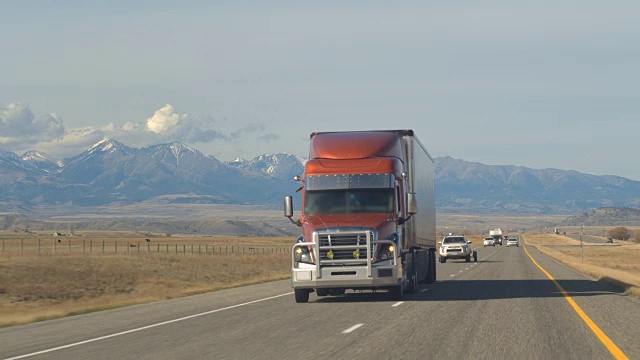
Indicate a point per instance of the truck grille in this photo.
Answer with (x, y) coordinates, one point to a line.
(348, 248)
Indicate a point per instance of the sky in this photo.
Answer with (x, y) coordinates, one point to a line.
(552, 84)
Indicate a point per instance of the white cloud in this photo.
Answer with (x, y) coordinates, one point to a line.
(19, 126)
(165, 120)
(21, 130)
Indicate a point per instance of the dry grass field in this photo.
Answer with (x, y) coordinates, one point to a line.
(35, 287)
(619, 265)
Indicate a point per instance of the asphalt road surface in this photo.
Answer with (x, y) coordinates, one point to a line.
(503, 306)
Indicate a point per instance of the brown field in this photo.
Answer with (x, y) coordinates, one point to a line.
(619, 265)
(54, 284)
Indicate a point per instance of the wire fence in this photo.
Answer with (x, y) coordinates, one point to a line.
(30, 247)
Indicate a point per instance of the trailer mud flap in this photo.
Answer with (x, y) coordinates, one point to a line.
(422, 264)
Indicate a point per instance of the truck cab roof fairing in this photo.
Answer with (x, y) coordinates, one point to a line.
(356, 145)
(390, 165)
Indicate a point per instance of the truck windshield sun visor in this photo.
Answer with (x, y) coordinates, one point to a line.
(349, 181)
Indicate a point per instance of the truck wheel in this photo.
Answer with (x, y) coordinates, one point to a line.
(302, 295)
(443, 259)
(396, 293)
(475, 256)
(322, 292)
(468, 258)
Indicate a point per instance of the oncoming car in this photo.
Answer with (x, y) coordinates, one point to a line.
(489, 241)
(456, 247)
(512, 242)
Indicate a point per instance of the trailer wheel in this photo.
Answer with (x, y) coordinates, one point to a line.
(302, 295)
(475, 256)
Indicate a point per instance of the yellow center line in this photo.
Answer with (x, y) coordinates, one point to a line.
(611, 346)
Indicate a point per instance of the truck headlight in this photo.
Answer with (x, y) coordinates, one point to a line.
(386, 253)
(301, 253)
(386, 250)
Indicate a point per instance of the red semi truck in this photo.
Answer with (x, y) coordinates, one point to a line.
(368, 215)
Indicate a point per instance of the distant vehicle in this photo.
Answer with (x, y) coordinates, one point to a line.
(497, 235)
(609, 240)
(456, 247)
(512, 242)
(489, 241)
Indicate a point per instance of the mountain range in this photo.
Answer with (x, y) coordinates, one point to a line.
(111, 172)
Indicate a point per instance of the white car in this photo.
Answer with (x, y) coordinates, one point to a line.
(489, 241)
(456, 247)
(512, 242)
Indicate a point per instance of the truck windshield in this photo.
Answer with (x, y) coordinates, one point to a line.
(348, 201)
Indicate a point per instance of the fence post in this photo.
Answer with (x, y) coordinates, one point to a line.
(158, 248)
(84, 246)
(148, 247)
(116, 246)
(199, 249)
(184, 249)
(38, 246)
(138, 246)
(55, 246)
(90, 246)
(103, 247)
(21, 246)
(3, 246)
(191, 249)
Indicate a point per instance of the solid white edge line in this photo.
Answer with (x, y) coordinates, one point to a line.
(397, 304)
(352, 328)
(144, 328)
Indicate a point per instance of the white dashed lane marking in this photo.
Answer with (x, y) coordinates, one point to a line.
(351, 329)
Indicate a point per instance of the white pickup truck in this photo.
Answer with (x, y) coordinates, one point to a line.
(456, 247)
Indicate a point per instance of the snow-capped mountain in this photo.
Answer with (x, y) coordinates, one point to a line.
(40, 161)
(110, 171)
(279, 165)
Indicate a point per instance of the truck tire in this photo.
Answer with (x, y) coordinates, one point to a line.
(322, 292)
(396, 293)
(475, 256)
(443, 259)
(468, 258)
(302, 295)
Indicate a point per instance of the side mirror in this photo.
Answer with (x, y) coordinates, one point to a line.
(469, 242)
(412, 204)
(288, 206)
(288, 210)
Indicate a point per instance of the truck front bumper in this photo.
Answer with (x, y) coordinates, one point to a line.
(347, 277)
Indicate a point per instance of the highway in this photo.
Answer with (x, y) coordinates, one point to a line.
(503, 306)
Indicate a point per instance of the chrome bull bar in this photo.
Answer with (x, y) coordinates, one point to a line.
(315, 252)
